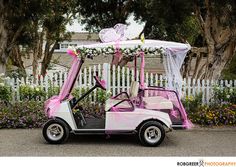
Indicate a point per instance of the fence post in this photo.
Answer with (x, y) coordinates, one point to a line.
(207, 91)
(161, 81)
(184, 87)
(17, 90)
(123, 79)
(194, 87)
(105, 74)
(151, 76)
(189, 86)
(118, 79)
(94, 74)
(203, 92)
(113, 80)
(128, 79)
(46, 85)
(13, 89)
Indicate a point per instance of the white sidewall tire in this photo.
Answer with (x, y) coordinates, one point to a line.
(156, 133)
(55, 131)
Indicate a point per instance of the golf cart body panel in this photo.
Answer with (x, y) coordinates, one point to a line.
(64, 112)
(131, 120)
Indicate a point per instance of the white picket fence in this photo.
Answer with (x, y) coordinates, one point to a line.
(117, 80)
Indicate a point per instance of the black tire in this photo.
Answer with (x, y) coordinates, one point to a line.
(61, 131)
(145, 134)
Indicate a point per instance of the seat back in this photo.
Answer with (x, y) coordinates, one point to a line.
(134, 87)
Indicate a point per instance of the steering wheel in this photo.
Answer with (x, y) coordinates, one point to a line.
(100, 83)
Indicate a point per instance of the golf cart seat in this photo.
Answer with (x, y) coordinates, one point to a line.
(157, 103)
(133, 92)
(134, 87)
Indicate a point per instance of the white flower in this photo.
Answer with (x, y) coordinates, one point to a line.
(231, 90)
(150, 50)
(2, 74)
(70, 48)
(37, 89)
(7, 78)
(98, 49)
(110, 50)
(32, 86)
(228, 96)
(2, 84)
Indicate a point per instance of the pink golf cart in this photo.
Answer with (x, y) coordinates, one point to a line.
(147, 111)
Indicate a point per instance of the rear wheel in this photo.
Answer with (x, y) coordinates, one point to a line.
(151, 133)
(56, 131)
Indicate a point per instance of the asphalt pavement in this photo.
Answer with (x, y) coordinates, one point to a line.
(196, 142)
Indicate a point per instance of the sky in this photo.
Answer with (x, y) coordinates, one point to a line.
(132, 31)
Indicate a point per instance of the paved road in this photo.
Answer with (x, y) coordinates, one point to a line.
(198, 142)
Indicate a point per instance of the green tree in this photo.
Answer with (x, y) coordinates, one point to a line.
(15, 16)
(209, 25)
(28, 24)
(204, 23)
(99, 14)
(54, 27)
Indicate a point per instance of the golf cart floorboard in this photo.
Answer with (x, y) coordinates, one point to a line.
(93, 123)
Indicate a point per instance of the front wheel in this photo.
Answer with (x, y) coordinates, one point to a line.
(56, 131)
(151, 133)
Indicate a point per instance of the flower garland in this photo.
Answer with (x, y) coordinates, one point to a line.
(110, 50)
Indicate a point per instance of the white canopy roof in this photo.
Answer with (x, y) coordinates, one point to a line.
(175, 54)
(135, 43)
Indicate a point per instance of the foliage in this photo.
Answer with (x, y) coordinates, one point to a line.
(28, 93)
(92, 108)
(101, 95)
(5, 93)
(229, 73)
(27, 24)
(178, 20)
(53, 90)
(5, 90)
(167, 20)
(104, 14)
(191, 103)
(27, 114)
(214, 115)
(222, 95)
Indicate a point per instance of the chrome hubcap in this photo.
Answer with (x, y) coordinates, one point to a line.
(55, 132)
(152, 134)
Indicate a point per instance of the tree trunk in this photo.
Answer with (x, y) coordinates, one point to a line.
(221, 59)
(16, 57)
(47, 57)
(2, 68)
(35, 63)
(7, 37)
(3, 41)
(220, 39)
